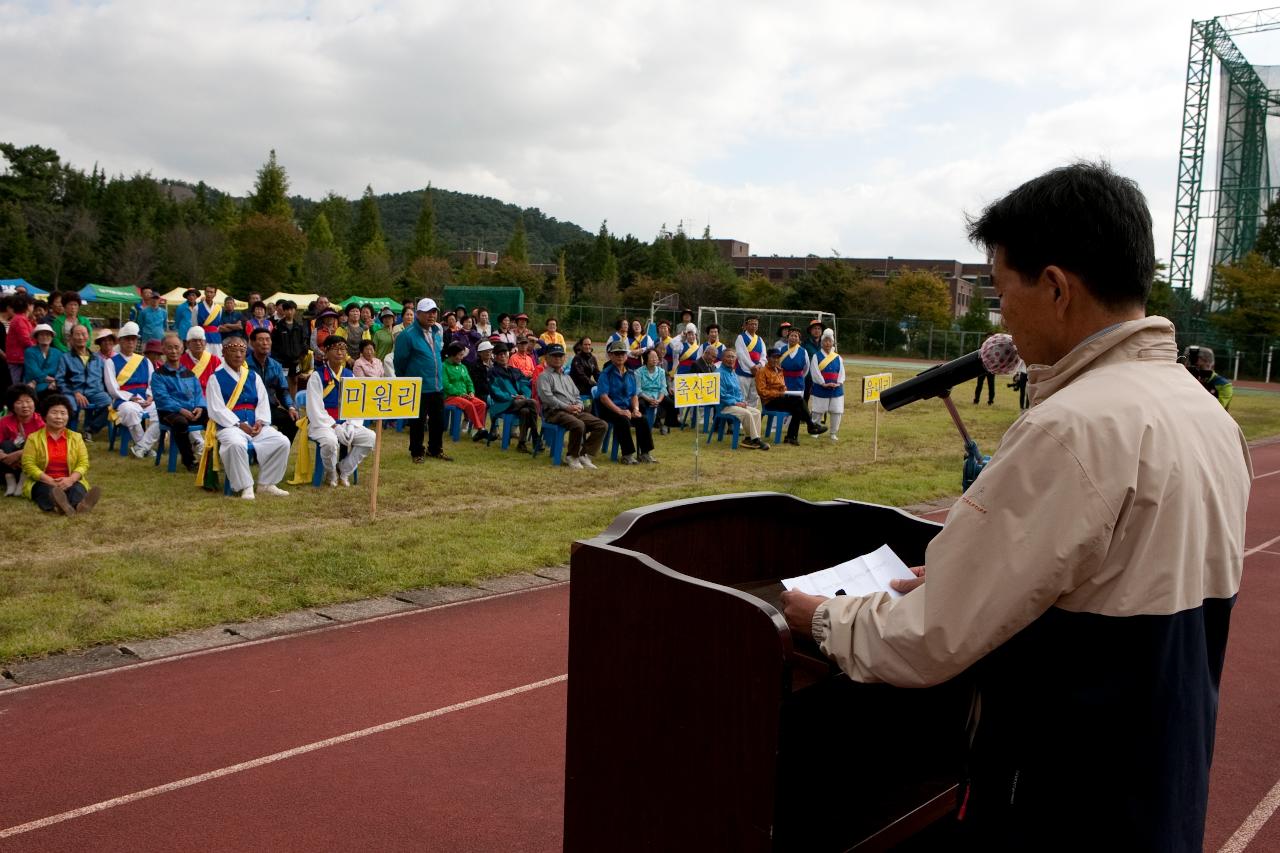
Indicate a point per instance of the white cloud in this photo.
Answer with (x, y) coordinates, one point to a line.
(869, 128)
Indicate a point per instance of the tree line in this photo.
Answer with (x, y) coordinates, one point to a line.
(61, 228)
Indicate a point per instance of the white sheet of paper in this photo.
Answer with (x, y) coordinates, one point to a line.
(863, 575)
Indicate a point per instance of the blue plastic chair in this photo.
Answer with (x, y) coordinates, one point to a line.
(226, 481)
(120, 431)
(173, 445)
(509, 423)
(454, 416)
(774, 420)
(720, 421)
(553, 438)
(317, 470)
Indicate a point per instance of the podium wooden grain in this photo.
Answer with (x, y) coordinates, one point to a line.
(696, 721)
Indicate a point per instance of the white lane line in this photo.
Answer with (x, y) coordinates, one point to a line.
(1261, 547)
(1255, 821)
(1268, 474)
(271, 759)
(230, 647)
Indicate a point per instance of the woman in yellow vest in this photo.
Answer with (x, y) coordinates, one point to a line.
(56, 462)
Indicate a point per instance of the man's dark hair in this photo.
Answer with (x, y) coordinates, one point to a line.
(1083, 218)
(72, 296)
(16, 391)
(253, 336)
(19, 302)
(711, 326)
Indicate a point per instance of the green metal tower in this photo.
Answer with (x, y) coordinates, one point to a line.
(1244, 185)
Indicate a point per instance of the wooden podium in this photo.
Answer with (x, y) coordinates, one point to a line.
(697, 721)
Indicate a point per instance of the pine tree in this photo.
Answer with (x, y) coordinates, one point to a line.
(271, 191)
(425, 242)
(518, 247)
(368, 227)
(680, 247)
(559, 289)
(602, 253)
(703, 251)
(662, 264)
(325, 268)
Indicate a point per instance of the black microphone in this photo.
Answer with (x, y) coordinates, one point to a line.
(997, 355)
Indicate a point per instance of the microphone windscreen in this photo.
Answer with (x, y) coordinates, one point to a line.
(998, 354)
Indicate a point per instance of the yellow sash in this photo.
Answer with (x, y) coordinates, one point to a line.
(304, 461)
(214, 313)
(791, 353)
(200, 365)
(130, 367)
(211, 431)
(636, 343)
(751, 344)
(830, 358)
(693, 348)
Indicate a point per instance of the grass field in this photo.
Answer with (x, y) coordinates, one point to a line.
(159, 556)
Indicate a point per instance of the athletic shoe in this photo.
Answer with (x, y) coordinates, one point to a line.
(441, 456)
(90, 500)
(586, 462)
(573, 464)
(139, 451)
(834, 437)
(60, 501)
(479, 435)
(247, 494)
(345, 481)
(647, 458)
(750, 442)
(762, 445)
(792, 441)
(628, 459)
(332, 480)
(816, 429)
(418, 460)
(273, 490)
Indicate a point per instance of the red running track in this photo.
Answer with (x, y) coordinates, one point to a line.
(485, 776)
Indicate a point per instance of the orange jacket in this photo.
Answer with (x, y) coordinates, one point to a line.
(769, 383)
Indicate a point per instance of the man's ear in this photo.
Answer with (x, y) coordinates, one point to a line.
(1061, 286)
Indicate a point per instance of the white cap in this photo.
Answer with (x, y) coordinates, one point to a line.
(691, 328)
(103, 333)
(195, 333)
(484, 346)
(427, 304)
(41, 327)
(129, 329)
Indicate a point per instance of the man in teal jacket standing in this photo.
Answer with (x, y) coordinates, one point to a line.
(417, 353)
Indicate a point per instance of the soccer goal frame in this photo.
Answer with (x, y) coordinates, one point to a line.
(730, 320)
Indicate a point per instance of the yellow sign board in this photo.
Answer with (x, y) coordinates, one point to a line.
(872, 386)
(697, 389)
(368, 399)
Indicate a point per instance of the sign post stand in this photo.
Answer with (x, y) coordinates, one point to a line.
(696, 389)
(871, 387)
(379, 400)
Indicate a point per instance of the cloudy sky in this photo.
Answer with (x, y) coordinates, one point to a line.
(866, 128)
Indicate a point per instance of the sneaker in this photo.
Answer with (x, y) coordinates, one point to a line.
(573, 464)
(816, 429)
(586, 462)
(834, 437)
(418, 460)
(628, 459)
(345, 481)
(762, 445)
(88, 438)
(247, 494)
(792, 441)
(273, 490)
(479, 435)
(441, 456)
(647, 458)
(60, 501)
(521, 447)
(90, 500)
(331, 479)
(139, 451)
(750, 442)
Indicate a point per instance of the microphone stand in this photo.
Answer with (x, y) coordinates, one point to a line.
(974, 461)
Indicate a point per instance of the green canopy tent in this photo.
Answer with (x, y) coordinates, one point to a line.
(378, 303)
(119, 296)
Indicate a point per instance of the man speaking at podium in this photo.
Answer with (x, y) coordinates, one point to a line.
(1087, 577)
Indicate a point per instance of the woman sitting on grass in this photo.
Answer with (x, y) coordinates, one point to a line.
(15, 428)
(55, 462)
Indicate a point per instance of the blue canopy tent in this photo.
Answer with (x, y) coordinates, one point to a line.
(7, 284)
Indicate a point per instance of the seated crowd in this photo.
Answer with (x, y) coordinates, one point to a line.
(229, 390)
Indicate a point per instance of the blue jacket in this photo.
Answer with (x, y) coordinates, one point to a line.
(37, 367)
(74, 376)
(505, 383)
(273, 379)
(730, 390)
(152, 322)
(176, 389)
(415, 356)
(182, 320)
(618, 387)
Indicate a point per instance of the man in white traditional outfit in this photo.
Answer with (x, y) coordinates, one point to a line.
(127, 377)
(324, 390)
(241, 414)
